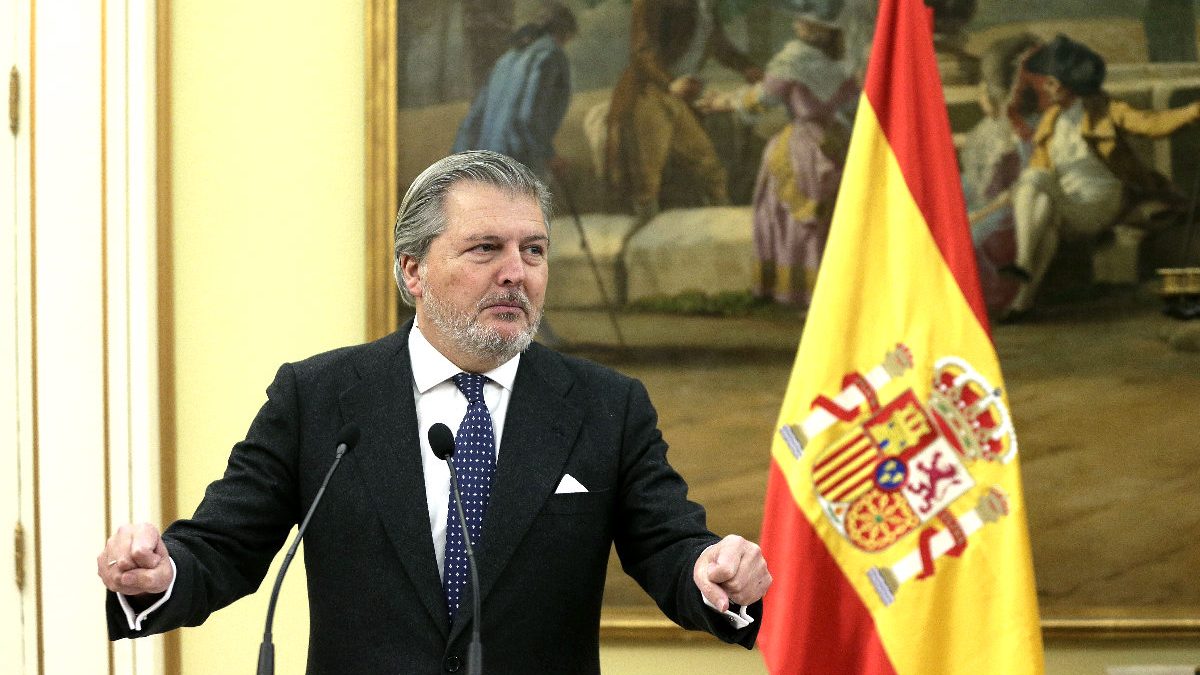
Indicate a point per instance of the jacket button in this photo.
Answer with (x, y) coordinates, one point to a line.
(452, 664)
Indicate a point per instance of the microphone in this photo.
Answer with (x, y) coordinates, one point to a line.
(347, 438)
(441, 441)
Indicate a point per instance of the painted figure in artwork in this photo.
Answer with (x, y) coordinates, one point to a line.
(992, 155)
(802, 164)
(651, 120)
(520, 108)
(1083, 177)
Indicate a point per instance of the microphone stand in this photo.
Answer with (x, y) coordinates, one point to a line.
(475, 650)
(266, 651)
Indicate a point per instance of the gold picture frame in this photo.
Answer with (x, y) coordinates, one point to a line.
(383, 187)
(380, 173)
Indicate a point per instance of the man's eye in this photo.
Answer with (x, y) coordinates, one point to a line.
(536, 249)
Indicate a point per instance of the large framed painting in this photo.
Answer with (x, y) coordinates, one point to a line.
(655, 268)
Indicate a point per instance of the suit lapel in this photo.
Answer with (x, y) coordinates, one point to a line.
(388, 460)
(539, 427)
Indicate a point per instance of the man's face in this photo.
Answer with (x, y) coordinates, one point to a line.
(479, 292)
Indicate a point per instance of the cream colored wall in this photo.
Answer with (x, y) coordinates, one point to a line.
(267, 130)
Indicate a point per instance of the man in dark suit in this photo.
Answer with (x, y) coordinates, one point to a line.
(580, 466)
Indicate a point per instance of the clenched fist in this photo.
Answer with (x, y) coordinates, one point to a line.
(135, 561)
(732, 569)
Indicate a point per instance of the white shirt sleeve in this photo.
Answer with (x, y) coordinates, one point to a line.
(739, 619)
(135, 620)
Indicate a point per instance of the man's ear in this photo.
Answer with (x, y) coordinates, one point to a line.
(410, 270)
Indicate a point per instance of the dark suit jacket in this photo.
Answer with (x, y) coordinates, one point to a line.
(375, 600)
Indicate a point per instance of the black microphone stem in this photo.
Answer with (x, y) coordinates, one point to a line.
(266, 651)
(475, 650)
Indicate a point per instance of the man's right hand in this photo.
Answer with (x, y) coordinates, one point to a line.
(135, 561)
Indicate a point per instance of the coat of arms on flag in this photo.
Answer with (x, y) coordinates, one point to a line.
(899, 464)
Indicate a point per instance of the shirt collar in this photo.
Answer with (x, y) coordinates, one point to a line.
(430, 368)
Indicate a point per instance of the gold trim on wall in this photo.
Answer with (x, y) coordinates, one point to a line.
(36, 565)
(1121, 629)
(164, 242)
(381, 171)
(105, 360)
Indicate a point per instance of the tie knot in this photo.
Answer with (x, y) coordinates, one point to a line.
(471, 385)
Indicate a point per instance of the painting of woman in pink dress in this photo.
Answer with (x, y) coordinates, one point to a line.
(802, 163)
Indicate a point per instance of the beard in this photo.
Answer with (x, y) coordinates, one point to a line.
(478, 340)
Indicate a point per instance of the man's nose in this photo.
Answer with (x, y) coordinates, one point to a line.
(512, 269)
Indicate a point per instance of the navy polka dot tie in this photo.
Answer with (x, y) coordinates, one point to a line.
(475, 464)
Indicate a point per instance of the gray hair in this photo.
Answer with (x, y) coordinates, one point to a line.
(422, 215)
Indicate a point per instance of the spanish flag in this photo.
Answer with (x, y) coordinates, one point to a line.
(894, 520)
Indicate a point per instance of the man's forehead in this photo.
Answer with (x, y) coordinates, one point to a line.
(483, 234)
(498, 223)
(480, 209)
(470, 188)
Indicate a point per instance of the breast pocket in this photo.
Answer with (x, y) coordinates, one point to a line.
(579, 502)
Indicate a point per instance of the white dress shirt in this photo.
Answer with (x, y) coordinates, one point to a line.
(438, 399)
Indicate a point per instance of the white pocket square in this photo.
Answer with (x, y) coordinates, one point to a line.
(568, 485)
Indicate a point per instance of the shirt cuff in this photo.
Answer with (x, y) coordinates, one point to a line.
(739, 619)
(135, 620)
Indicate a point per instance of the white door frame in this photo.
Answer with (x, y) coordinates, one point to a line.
(79, 416)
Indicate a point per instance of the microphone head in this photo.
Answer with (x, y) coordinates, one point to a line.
(441, 441)
(348, 435)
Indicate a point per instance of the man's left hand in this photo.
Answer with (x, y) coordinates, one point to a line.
(732, 569)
